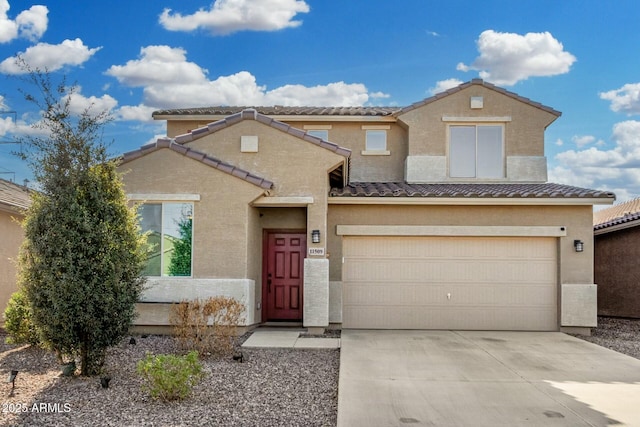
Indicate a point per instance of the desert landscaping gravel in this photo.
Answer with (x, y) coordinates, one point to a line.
(272, 387)
(621, 335)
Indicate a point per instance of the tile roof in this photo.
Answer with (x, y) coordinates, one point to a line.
(279, 110)
(346, 111)
(13, 196)
(252, 114)
(198, 156)
(402, 189)
(623, 213)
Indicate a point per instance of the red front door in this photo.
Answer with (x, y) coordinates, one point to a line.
(283, 274)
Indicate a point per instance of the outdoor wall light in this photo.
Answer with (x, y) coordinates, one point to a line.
(315, 236)
(578, 245)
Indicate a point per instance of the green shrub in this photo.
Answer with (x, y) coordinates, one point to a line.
(17, 321)
(170, 377)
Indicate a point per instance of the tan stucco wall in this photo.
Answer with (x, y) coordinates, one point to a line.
(12, 236)
(296, 167)
(349, 135)
(220, 217)
(524, 134)
(573, 267)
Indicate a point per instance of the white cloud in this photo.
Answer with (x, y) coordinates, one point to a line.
(6, 125)
(339, 93)
(80, 103)
(33, 23)
(185, 84)
(624, 100)
(582, 140)
(30, 24)
(138, 113)
(50, 57)
(507, 58)
(559, 142)
(229, 16)
(158, 65)
(615, 169)
(443, 85)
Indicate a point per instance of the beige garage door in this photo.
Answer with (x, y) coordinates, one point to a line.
(481, 283)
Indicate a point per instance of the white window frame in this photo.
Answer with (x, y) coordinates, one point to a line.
(376, 134)
(162, 233)
(476, 175)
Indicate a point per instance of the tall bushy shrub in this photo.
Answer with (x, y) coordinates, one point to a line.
(81, 262)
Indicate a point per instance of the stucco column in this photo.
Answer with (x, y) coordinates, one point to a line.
(316, 293)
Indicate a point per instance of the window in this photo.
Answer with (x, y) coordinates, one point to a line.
(322, 134)
(169, 229)
(376, 140)
(476, 152)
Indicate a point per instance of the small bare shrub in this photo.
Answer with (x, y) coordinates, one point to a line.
(207, 326)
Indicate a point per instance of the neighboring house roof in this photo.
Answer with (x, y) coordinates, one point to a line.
(488, 191)
(344, 111)
(198, 156)
(623, 215)
(252, 114)
(14, 197)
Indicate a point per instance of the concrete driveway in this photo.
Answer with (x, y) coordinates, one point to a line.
(472, 378)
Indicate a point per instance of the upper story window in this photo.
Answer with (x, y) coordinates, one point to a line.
(169, 228)
(476, 151)
(320, 133)
(376, 140)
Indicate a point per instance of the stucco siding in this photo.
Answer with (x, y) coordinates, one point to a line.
(575, 267)
(12, 236)
(220, 219)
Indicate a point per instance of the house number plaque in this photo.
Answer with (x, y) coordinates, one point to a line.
(316, 251)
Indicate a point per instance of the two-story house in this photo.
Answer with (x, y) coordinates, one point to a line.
(433, 216)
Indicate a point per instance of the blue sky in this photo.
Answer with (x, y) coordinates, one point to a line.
(134, 57)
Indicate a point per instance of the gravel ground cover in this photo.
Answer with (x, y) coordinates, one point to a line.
(272, 387)
(621, 335)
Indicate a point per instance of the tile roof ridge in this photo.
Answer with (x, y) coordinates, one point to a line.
(171, 144)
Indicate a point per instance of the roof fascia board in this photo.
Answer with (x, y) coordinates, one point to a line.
(283, 201)
(524, 201)
(617, 227)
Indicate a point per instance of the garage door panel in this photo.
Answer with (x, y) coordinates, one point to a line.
(453, 271)
(449, 283)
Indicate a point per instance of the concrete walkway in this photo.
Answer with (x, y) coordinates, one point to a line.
(287, 339)
(446, 378)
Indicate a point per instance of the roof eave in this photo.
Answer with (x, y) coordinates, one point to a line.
(478, 201)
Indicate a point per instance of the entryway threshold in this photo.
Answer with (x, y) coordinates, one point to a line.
(288, 339)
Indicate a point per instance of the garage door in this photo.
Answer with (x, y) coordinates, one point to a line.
(466, 283)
